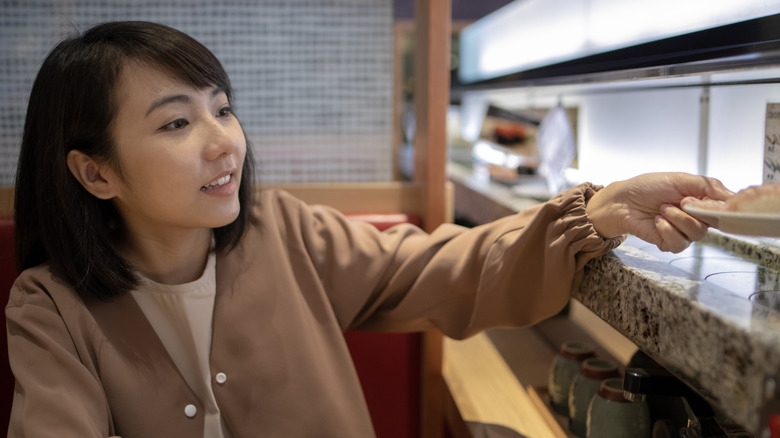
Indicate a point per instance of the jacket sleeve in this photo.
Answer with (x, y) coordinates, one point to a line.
(55, 395)
(512, 272)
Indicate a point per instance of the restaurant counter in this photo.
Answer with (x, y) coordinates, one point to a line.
(710, 315)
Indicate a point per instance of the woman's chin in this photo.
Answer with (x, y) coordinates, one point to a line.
(224, 218)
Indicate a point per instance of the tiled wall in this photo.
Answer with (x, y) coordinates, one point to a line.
(313, 78)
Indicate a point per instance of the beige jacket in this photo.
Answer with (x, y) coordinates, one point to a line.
(301, 276)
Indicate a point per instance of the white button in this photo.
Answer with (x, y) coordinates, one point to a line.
(190, 410)
(221, 378)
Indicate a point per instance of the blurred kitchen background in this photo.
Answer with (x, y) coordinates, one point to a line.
(324, 88)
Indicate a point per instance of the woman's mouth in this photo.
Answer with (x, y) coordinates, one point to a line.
(217, 183)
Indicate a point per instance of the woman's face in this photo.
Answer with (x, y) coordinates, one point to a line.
(180, 151)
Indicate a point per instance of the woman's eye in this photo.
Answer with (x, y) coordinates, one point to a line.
(225, 111)
(176, 124)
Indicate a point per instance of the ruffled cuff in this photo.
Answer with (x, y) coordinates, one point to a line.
(575, 227)
(588, 190)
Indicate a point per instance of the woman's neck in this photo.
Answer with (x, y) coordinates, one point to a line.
(172, 258)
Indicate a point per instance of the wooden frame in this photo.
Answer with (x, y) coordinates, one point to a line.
(431, 100)
(381, 197)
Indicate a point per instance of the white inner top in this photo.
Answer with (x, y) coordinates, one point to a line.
(182, 317)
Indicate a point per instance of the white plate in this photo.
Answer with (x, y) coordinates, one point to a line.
(751, 224)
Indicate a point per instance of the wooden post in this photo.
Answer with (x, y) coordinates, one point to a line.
(431, 100)
(432, 20)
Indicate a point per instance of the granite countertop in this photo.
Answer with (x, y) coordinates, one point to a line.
(710, 314)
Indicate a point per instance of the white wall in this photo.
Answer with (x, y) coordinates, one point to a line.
(625, 134)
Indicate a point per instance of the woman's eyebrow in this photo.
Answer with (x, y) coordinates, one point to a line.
(217, 91)
(182, 98)
(166, 100)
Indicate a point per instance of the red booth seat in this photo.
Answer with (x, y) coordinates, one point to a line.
(389, 365)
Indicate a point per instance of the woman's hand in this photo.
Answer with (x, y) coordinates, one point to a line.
(649, 207)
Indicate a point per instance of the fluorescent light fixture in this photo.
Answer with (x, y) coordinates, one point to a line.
(533, 33)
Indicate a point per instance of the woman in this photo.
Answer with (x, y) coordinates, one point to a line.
(158, 299)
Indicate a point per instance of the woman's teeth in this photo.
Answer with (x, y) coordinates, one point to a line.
(217, 182)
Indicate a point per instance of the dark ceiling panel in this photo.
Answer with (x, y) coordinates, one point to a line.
(461, 9)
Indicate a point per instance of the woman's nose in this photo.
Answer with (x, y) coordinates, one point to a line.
(221, 139)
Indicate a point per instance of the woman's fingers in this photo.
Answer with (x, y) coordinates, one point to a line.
(671, 239)
(701, 187)
(678, 229)
(690, 227)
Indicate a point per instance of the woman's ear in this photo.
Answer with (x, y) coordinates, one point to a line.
(98, 179)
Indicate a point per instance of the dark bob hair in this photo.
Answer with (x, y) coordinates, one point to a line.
(72, 106)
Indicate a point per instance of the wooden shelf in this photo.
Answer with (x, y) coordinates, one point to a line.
(487, 392)
(499, 377)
